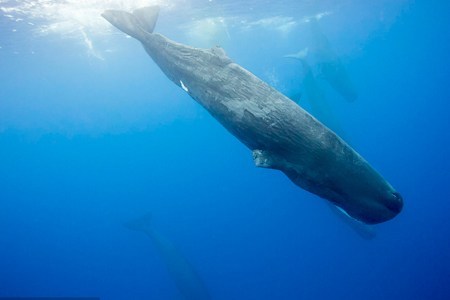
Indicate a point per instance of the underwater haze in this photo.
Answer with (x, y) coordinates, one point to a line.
(93, 135)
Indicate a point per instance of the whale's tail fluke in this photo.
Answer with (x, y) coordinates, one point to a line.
(143, 223)
(137, 24)
(301, 55)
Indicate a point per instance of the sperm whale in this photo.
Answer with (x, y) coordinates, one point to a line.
(280, 134)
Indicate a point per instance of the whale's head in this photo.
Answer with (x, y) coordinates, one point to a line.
(374, 206)
(383, 208)
(394, 202)
(351, 185)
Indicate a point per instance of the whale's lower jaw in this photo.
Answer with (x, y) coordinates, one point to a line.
(355, 207)
(369, 212)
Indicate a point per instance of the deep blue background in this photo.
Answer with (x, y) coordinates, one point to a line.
(88, 145)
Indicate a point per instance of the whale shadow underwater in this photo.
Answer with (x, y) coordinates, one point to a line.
(183, 273)
(280, 134)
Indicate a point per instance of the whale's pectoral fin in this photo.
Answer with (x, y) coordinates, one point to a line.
(263, 159)
(138, 24)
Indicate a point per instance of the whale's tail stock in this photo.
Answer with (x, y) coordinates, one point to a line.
(137, 24)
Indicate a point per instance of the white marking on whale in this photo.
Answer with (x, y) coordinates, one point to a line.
(184, 87)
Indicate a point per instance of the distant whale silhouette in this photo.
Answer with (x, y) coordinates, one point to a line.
(280, 133)
(182, 272)
(330, 65)
(313, 94)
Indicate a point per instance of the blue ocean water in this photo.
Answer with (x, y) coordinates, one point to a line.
(92, 134)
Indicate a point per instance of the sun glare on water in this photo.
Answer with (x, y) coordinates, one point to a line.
(73, 19)
(81, 20)
(69, 16)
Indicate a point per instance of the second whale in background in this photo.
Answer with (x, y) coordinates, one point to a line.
(329, 64)
(180, 269)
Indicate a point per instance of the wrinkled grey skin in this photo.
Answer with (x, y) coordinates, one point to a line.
(280, 133)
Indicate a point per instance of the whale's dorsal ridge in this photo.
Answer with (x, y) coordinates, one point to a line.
(219, 51)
